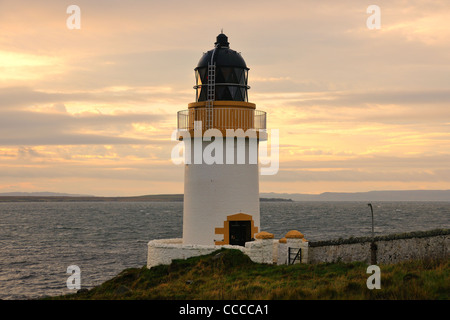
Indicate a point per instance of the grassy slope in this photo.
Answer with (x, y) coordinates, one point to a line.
(229, 274)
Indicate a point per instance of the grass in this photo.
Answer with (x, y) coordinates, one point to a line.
(231, 275)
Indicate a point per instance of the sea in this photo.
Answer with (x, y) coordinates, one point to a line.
(40, 240)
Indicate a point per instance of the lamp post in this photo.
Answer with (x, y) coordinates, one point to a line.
(371, 210)
(373, 246)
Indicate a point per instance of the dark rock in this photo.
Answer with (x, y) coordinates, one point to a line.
(410, 276)
(217, 256)
(84, 290)
(122, 290)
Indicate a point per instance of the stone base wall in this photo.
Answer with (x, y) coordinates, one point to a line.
(343, 252)
(388, 251)
(163, 251)
(261, 250)
(413, 249)
(283, 251)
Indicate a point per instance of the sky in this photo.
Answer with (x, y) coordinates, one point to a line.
(92, 110)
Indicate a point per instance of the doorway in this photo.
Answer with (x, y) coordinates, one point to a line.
(243, 229)
(240, 232)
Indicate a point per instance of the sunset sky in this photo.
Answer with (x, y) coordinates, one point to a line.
(91, 111)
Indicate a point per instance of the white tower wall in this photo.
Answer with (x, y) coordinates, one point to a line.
(212, 192)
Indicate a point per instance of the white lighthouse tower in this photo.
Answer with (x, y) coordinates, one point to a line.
(221, 131)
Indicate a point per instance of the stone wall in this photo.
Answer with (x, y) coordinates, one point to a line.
(390, 249)
(165, 250)
(282, 250)
(412, 249)
(264, 249)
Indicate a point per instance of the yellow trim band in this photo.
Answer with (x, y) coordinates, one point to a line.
(241, 104)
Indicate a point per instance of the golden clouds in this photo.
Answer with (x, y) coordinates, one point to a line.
(357, 109)
(16, 66)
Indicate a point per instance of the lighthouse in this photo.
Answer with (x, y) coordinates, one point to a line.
(221, 132)
(219, 135)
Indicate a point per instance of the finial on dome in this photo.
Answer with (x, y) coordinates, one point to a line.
(222, 41)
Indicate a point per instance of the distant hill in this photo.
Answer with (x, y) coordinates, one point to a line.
(41, 194)
(61, 197)
(395, 195)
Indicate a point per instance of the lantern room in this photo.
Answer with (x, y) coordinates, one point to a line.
(231, 75)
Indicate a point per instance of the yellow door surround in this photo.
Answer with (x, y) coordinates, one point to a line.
(225, 230)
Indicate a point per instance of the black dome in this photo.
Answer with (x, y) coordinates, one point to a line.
(223, 55)
(230, 73)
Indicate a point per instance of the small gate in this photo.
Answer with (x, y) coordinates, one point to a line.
(294, 254)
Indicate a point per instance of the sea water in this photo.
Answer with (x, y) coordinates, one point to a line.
(40, 240)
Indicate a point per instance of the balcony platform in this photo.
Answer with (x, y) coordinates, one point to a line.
(226, 115)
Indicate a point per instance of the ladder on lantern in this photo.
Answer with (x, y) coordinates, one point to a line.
(210, 95)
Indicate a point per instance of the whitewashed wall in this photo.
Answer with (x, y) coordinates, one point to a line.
(214, 191)
(165, 250)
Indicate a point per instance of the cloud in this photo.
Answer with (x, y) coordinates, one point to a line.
(362, 175)
(21, 97)
(40, 128)
(426, 162)
(27, 153)
(361, 99)
(353, 105)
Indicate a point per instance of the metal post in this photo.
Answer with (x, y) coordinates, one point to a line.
(371, 209)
